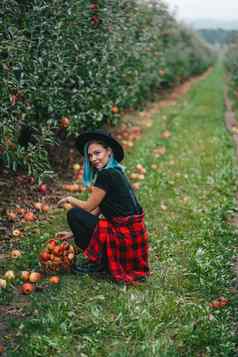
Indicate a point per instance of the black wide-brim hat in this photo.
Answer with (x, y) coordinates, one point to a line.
(105, 137)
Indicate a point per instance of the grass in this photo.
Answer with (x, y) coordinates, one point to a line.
(186, 204)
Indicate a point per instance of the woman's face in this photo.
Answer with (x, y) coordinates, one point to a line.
(98, 155)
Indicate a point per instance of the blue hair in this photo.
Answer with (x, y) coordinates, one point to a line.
(90, 174)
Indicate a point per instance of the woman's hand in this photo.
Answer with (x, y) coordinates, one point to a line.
(69, 199)
(64, 235)
(90, 205)
(96, 211)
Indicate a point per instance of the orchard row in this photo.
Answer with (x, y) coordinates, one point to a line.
(78, 64)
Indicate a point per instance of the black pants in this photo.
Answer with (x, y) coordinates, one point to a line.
(82, 224)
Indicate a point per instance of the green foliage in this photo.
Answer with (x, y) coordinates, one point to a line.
(231, 62)
(79, 58)
(185, 54)
(191, 246)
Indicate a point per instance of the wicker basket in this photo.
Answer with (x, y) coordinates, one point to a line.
(59, 257)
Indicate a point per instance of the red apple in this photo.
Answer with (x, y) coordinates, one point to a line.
(115, 109)
(93, 7)
(57, 251)
(15, 253)
(51, 245)
(52, 242)
(34, 277)
(20, 211)
(45, 207)
(64, 122)
(31, 180)
(29, 217)
(54, 279)
(27, 288)
(44, 256)
(25, 275)
(42, 188)
(95, 20)
(11, 216)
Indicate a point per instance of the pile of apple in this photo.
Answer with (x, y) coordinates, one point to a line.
(138, 174)
(57, 256)
(29, 279)
(127, 136)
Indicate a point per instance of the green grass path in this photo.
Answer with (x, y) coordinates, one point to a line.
(186, 203)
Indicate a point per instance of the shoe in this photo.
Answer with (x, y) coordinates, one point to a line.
(88, 268)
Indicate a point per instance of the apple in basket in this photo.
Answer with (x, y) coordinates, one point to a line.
(57, 256)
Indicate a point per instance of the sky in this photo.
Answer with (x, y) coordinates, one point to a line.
(214, 9)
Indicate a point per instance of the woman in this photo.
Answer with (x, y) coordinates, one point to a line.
(117, 243)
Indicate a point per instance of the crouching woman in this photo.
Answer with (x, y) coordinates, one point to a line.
(118, 242)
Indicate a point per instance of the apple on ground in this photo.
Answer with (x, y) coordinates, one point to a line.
(27, 288)
(3, 284)
(54, 279)
(15, 253)
(35, 277)
(9, 275)
(25, 275)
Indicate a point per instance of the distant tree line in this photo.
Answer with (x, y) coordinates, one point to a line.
(219, 36)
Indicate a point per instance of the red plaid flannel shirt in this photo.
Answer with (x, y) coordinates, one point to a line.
(125, 242)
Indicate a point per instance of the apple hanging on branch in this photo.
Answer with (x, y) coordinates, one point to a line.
(42, 188)
(64, 123)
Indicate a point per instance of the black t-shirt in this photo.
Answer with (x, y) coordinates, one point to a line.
(120, 199)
